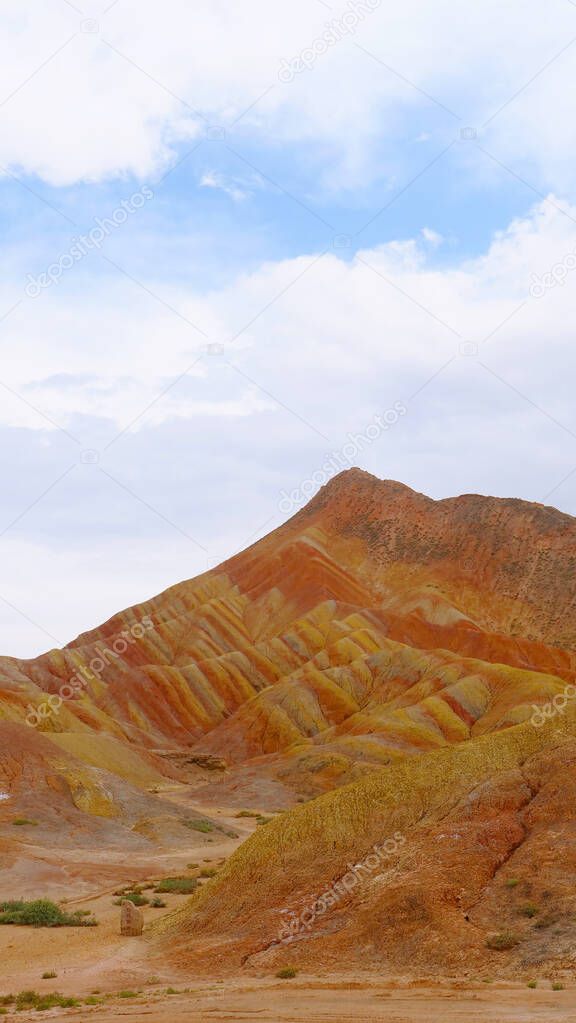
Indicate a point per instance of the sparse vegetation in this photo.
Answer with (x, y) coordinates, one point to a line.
(158, 903)
(42, 913)
(208, 872)
(512, 882)
(177, 885)
(557, 986)
(22, 822)
(247, 813)
(532, 983)
(135, 897)
(203, 826)
(33, 1000)
(49, 975)
(502, 941)
(529, 910)
(287, 973)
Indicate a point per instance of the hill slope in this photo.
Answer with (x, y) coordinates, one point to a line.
(376, 632)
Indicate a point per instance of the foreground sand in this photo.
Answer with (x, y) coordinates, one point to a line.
(314, 1000)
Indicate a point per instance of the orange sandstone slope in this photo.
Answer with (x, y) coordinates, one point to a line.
(461, 861)
(375, 624)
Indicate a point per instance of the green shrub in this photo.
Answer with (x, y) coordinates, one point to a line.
(128, 994)
(135, 897)
(158, 903)
(532, 983)
(33, 1000)
(21, 822)
(502, 941)
(203, 826)
(177, 885)
(247, 813)
(528, 910)
(42, 913)
(557, 986)
(287, 973)
(512, 882)
(208, 872)
(49, 975)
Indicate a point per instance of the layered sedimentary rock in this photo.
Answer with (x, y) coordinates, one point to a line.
(381, 650)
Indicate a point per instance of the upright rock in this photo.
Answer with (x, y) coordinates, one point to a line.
(131, 920)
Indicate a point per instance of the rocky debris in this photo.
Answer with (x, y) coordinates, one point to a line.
(131, 920)
(207, 761)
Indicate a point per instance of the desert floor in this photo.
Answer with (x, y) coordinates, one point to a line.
(121, 977)
(334, 999)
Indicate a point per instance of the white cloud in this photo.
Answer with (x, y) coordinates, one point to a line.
(115, 350)
(432, 237)
(118, 99)
(212, 179)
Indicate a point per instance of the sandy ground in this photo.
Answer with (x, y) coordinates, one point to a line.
(122, 975)
(311, 1000)
(95, 957)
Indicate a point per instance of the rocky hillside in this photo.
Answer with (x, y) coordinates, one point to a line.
(382, 651)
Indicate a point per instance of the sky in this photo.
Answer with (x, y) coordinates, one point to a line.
(247, 245)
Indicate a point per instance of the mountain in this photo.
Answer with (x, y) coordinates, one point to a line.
(377, 659)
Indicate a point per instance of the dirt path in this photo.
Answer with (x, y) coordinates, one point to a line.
(87, 958)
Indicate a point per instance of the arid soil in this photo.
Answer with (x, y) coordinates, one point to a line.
(333, 1000)
(126, 977)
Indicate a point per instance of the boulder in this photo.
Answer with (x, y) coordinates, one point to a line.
(131, 920)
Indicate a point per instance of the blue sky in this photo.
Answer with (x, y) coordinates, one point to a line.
(390, 233)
